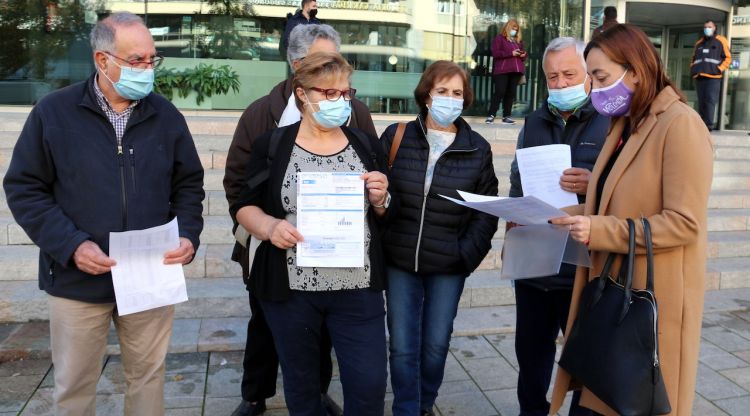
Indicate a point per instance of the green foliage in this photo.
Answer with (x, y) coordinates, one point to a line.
(205, 80)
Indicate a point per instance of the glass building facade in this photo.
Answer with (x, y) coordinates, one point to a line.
(44, 44)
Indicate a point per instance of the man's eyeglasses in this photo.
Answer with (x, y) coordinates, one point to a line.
(140, 64)
(332, 94)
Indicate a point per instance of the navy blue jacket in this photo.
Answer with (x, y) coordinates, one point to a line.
(292, 21)
(67, 183)
(425, 232)
(585, 132)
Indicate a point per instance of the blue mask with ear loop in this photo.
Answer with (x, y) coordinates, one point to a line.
(331, 113)
(445, 110)
(133, 84)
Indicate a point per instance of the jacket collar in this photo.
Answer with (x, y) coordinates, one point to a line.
(666, 98)
(141, 112)
(464, 139)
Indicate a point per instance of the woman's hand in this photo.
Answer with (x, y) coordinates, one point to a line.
(575, 180)
(377, 187)
(579, 226)
(283, 234)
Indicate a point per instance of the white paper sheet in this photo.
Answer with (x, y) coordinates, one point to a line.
(331, 219)
(141, 279)
(540, 168)
(524, 211)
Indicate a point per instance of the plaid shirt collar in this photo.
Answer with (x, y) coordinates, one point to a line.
(119, 120)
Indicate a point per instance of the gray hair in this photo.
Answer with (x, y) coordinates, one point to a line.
(103, 33)
(303, 36)
(562, 43)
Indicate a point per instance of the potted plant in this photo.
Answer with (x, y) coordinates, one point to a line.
(195, 86)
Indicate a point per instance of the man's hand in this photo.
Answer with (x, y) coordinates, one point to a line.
(575, 180)
(182, 254)
(89, 258)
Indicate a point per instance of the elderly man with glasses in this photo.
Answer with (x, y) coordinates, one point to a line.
(100, 156)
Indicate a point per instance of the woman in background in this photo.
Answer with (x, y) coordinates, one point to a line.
(507, 69)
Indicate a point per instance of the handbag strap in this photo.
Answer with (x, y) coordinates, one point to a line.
(395, 144)
(649, 255)
(630, 267)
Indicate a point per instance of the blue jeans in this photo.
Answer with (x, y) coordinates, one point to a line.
(421, 310)
(355, 322)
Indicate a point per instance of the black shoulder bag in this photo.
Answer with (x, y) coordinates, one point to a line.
(613, 346)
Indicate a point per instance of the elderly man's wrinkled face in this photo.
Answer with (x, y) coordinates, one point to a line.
(133, 44)
(565, 69)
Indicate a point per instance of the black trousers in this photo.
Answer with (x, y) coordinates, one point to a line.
(708, 90)
(505, 90)
(261, 363)
(540, 316)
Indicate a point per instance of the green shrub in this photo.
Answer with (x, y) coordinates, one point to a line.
(206, 80)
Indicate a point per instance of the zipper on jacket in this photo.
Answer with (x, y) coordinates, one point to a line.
(121, 161)
(424, 202)
(131, 150)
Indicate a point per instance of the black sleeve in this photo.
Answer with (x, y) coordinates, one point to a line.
(256, 179)
(186, 196)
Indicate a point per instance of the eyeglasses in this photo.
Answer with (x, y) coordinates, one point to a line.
(139, 65)
(332, 94)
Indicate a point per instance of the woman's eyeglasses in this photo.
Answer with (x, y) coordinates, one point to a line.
(332, 94)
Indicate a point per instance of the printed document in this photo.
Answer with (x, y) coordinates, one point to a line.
(524, 211)
(141, 279)
(331, 219)
(540, 168)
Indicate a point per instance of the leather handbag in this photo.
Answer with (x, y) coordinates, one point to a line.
(613, 346)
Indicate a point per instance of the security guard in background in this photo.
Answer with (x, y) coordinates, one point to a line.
(710, 59)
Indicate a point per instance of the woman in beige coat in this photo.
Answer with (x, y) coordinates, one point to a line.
(657, 163)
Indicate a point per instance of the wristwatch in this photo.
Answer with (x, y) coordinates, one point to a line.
(386, 203)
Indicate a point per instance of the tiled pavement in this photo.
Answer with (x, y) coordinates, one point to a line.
(204, 366)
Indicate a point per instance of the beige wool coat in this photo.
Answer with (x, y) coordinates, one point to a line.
(664, 173)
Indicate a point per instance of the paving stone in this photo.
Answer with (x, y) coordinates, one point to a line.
(505, 401)
(214, 298)
(480, 321)
(726, 339)
(223, 358)
(718, 359)
(40, 403)
(31, 340)
(197, 267)
(227, 334)
(224, 381)
(506, 345)
(6, 330)
(186, 363)
(702, 407)
(713, 386)
(491, 373)
(222, 405)
(15, 391)
(112, 380)
(184, 390)
(219, 260)
(467, 403)
(472, 347)
(735, 407)
(184, 336)
(727, 300)
(740, 376)
(453, 370)
(744, 355)
(110, 404)
(25, 367)
(195, 411)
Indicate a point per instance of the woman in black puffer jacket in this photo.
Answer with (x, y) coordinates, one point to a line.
(432, 244)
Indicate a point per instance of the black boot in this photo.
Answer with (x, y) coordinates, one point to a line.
(250, 409)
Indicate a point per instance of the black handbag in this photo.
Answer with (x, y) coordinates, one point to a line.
(612, 347)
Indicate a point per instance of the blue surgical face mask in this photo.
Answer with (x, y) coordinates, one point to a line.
(513, 33)
(568, 98)
(445, 110)
(133, 84)
(331, 113)
(708, 32)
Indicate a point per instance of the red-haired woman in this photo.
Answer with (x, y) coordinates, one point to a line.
(656, 163)
(431, 244)
(508, 58)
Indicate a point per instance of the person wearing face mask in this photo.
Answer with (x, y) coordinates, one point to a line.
(277, 109)
(432, 244)
(508, 57)
(306, 15)
(297, 301)
(710, 59)
(656, 163)
(105, 155)
(542, 304)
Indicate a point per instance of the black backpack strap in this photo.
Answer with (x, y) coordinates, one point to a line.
(364, 139)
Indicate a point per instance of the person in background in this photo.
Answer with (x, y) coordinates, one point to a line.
(277, 109)
(99, 156)
(542, 304)
(304, 16)
(507, 69)
(432, 244)
(710, 59)
(610, 19)
(298, 301)
(656, 163)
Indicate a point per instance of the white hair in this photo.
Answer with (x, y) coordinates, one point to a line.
(562, 43)
(103, 33)
(303, 36)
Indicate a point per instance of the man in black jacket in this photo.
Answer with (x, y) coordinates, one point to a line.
(304, 16)
(277, 109)
(542, 304)
(99, 156)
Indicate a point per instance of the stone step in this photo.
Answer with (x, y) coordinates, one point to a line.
(732, 152)
(729, 199)
(728, 273)
(726, 244)
(731, 167)
(730, 181)
(728, 219)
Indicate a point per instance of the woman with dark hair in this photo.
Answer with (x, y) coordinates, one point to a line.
(432, 244)
(656, 163)
(507, 69)
(296, 300)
